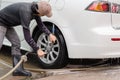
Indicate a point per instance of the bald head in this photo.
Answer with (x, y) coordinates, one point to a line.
(44, 8)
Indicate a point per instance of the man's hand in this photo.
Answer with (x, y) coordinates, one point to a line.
(52, 38)
(40, 53)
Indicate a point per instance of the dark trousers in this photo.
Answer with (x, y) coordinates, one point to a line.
(12, 36)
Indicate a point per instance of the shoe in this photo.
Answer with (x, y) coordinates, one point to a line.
(20, 71)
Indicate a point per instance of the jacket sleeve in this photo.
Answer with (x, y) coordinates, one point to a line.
(25, 18)
(30, 40)
(41, 25)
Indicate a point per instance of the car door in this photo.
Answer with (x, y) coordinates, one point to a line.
(5, 3)
(8, 2)
(115, 10)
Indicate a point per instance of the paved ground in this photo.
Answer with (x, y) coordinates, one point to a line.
(95, 73)
(71, 72)
(100, 73)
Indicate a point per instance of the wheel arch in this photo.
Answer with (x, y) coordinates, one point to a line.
(49, 23)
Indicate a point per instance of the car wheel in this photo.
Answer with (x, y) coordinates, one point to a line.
(56, 53)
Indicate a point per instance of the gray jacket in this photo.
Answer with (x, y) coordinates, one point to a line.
(21, 14)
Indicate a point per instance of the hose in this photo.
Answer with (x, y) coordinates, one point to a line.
(23, 59)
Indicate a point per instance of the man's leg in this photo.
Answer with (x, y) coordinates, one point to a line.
(14, 39)
(12, 36)
(2, 35)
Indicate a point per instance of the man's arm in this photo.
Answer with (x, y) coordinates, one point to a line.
(30, 40)
(41, 25)
(44, 29)
(25, 18)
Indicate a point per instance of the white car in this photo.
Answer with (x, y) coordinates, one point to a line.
(85, 29)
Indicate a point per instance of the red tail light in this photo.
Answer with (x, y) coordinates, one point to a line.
(115, 39)
(99, 6)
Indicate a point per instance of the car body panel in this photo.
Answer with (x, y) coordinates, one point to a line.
(87, 33)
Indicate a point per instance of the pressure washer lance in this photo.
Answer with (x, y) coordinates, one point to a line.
(23, 59)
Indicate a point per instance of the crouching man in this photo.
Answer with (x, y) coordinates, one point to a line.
(21, 14)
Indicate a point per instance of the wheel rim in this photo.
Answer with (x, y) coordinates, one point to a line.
(51, 50)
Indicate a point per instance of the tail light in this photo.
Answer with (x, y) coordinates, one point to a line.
(99, 6)
(115, 39)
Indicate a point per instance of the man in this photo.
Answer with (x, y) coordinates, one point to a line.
(21, 14)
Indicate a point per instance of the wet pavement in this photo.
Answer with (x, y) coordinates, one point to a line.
(101, 73)
(70, 72)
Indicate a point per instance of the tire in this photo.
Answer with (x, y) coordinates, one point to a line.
(56, 54)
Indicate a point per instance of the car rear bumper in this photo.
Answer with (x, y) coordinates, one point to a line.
(94, 51)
